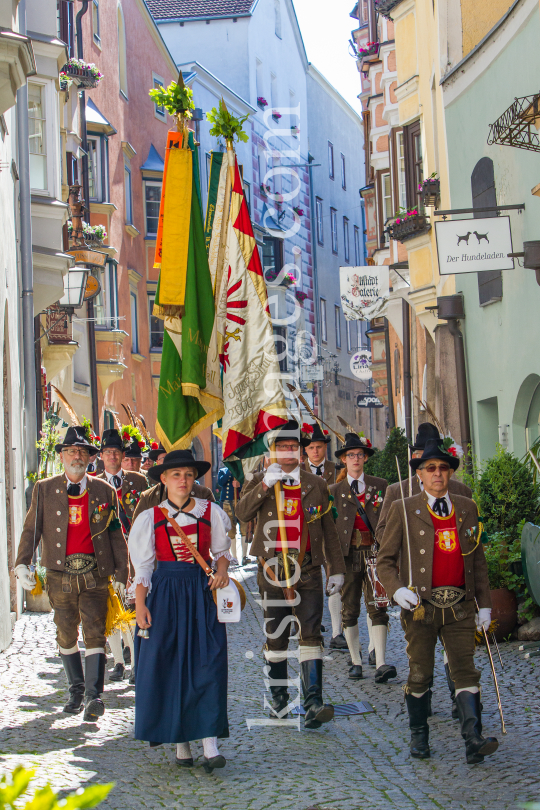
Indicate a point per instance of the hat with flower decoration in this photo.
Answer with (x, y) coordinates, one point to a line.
(320, 435)
(76, 436)
(156, 451)
(292, 430)
(353, 442)
(445, 450)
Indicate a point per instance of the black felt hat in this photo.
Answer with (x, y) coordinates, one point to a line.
(111, 438)
(425, 431)
(155, 452)
(320, 435)
(176, 459)
(76, 437)
(352, 442)
(133, 450)
(292, 430)
(434, 449)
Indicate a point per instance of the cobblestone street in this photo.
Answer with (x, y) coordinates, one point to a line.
(361, 762)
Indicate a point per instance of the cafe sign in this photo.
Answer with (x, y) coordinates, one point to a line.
(474, 245)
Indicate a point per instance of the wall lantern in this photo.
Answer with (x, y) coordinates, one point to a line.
(74, 289)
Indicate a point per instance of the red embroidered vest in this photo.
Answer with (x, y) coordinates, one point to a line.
(170, 548)
(358, 522)
(448, 568)
(294, 518)
(79, 537)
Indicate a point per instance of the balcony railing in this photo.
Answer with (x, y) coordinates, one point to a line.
(384, 7)
(407, 227)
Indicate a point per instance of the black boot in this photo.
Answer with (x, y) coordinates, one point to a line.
(418, 715)
(470, 717)
(94, 679)
(452, 688)
(75, 676)
(277, 674)
(118, 673)
(317, 712)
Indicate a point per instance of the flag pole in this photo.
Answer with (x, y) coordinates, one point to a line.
(288, 590)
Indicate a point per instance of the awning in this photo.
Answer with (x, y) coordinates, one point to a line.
(96, 121)
(153, 163)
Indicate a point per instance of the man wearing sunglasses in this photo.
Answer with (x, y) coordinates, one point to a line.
(437, 574)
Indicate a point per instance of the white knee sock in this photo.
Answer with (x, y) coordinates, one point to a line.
(380, 632)
(183, 751)
(128, 642)
(472, 689)
(418, 694)
(444, 657)
(353, 643)
(370, 629)
(310, 653)
(210, 747)
(115, 643)
(334, 606)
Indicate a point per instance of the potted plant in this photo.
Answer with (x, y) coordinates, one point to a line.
(262, 102)
(295, 131)
(264, 190)
(92, 233)
(298, 211)
(300, 296)
(406, 224)
(276, 115)
(289, 280)
(430, 191)
(84, 74)
(369, 49)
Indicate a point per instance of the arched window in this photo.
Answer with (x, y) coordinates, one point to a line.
(122, 63)
(277, 13)
(484, 194)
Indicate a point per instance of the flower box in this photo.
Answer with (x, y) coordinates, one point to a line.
(95, 234)
(264, 190)
(300, 296)
(276, 115)
(298, 211)
(407, 226)
(371, 49)
(295, 131)
(430, 192)
(84, 74)
(262, 102)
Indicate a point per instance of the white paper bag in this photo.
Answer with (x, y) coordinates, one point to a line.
(228, 603)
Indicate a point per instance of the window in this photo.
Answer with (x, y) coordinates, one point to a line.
(324, 332)
(357, 252)
(36, 136)
(128, 195)
(94, 168)
(159, 110)
(333, 228)
(343, 177)
(484, 193)
(66, 29)
(106, 303)
(122, 61)
(297, 258)
(95, 22)
(108, 420)
(272, 257)
(337, 319)
(81, 361)
(247, 195)
(208, 168)
(280, 340)
(156, 327)
(134, 324)
(152, 199)
(386, 191)
(346, 238)
(259, 81)
(414, 172)
(330, 160)
(400, 166)
(273, 92)
(350, 342)
(319, 212)
(277, 18)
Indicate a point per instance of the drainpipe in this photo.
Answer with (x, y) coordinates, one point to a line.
(391, 415)
(27, 271)
(86, 192)
(451, 309)
(316, 312)
(407, 368)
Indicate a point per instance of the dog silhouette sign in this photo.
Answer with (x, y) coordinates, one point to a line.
(474, 245)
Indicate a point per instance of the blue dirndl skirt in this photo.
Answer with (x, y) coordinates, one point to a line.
(181, 669)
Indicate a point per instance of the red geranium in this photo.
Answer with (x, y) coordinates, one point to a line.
(325, 432)
(140, 444)
(155, 446)
(307, 428)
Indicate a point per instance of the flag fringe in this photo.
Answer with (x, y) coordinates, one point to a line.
(184, 442)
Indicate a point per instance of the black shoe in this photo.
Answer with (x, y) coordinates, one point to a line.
(277, 674)
(245, 561)
(132, 677)
(470, 717)
(75, 676)
(118, 673)
(418, 715)
(385, 672)
(126, 653)
(214, 762)
(185, 763)
(317, 712)
(339, 643)
(372, 661)
(94, 678)
(355, 672)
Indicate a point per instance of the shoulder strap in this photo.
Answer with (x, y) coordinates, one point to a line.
(182, 535)
(362, 512)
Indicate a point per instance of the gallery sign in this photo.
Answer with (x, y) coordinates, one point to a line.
(361, 364)
(474, 245)
(364, 291)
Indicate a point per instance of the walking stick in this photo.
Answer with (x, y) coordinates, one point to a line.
(419, 611)
(410, 471)
(488, 648)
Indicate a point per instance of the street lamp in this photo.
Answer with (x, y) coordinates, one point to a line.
(74, 289)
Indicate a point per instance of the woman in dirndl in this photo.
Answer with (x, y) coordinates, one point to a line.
(181, 661)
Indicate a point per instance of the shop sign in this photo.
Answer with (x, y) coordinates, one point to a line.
(360, 364)
(313, 372)
(93, 288)
(85, 256)
(368, 401)
(474, 245)
(364, 291)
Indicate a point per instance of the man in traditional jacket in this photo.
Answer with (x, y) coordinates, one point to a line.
(358, 500)
(312, 541)
(443, 593)
(74, 516)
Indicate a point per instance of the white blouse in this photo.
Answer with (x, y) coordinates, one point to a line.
(142, 547)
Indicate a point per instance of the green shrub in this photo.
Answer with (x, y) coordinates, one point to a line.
(45, 798)
(501, 552)
(383, 462)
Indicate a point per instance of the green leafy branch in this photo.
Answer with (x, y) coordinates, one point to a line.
(45, 798)
(226, 125)
(177, 99)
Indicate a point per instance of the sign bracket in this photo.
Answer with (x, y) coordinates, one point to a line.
(451, 211)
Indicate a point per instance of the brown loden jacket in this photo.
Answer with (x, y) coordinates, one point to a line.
(330, 471)
(393, 493)
(156, 494)
(47, 520)
(256, 503)
(130, 481)
(422, 538)
(344, 501)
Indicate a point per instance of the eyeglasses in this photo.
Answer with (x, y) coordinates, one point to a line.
(76, 451)
(431, 468)
(282, 446)
(355, 455)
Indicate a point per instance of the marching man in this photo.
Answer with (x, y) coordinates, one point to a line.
(431, 562)
(358, 499)
(74, 517)
(312, 541)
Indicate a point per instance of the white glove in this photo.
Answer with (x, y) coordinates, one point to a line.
(273, 474)
(405, 598)
(119, 588)
(483, 618)
(26, 577)
(334, 584)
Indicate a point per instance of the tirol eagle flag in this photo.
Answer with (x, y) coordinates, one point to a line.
(252, 393)
(189, 397)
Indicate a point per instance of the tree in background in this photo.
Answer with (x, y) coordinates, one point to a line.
(383, 462)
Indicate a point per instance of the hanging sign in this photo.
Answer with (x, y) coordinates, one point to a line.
(86, 256)
(360, 364)
(313, 372)
(364, 291)
(93, 288)
(368, 401)
(474, 245)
